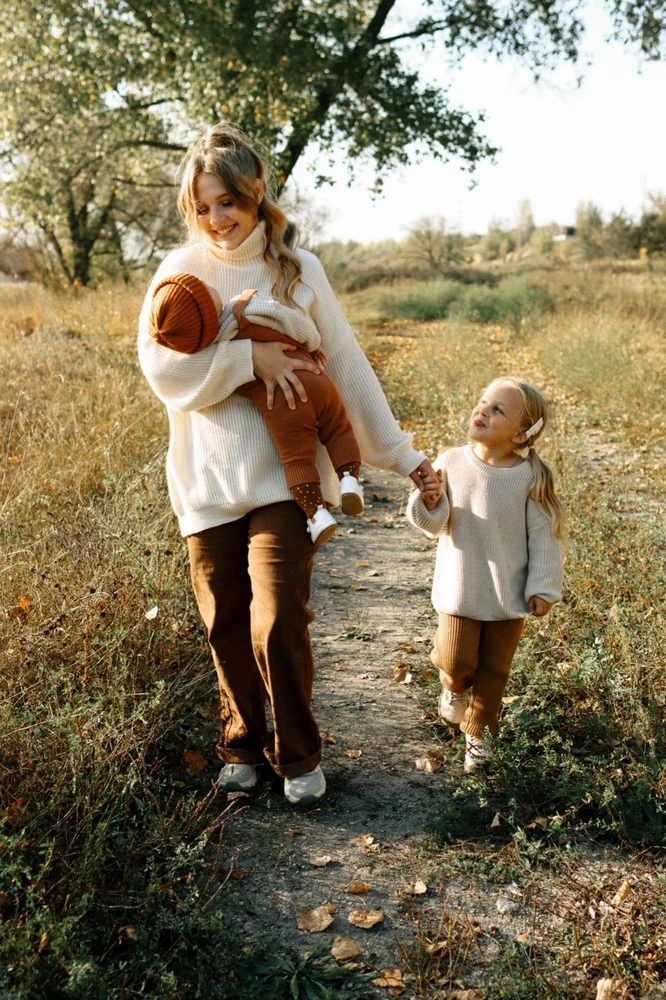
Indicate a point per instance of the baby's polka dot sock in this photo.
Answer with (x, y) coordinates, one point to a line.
(349, 469)
(309, 497)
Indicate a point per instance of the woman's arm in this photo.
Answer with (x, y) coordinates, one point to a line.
(382, 441)
(545, 569)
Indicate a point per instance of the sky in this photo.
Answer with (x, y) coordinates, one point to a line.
(560, 144)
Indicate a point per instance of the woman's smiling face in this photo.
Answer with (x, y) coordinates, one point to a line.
(222, 222)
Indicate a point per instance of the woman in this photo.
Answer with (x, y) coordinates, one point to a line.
(250, 553)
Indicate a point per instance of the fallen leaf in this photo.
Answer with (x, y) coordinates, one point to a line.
(329, 738)
(427, 715)
(365, 917)
(511, 699)
(293, 831)
(407, 649)
(337, 590)
(438, 949)
(357, 586)
(314, 921)
(14, 812)
(432, 761)
(354, 754)
(366, 839)
(540, 821)
(522, 938)
(152, 613)
(128, 933)
(344, 948)
(372, 520)
(25, 603)
(240, 794)
(621, 893)
(340, 668)
(497, 819)
(320, 861)
(330, 907)
(417, 889)
(401, 674)
(362, 565)
(196, 761)
(357, 887)
(18, 613)
(390, 979)
(468, 995)
(425, 674)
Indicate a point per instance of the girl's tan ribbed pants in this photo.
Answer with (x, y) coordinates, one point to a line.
(251, 578)
(476, 655)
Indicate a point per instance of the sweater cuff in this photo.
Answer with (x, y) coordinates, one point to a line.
(406, 461)
(433, 522)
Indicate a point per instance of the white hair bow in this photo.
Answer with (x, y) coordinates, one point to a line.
(534, 429)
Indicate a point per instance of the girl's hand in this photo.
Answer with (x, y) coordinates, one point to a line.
(432, 490)
(538, 607)
(272, 366)
(421, 473)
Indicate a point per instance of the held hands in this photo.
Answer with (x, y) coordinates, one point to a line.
(428, 482)
(271, 364)
(538, 607)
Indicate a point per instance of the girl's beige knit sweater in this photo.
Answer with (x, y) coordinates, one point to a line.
(496, 548)
(221, 460)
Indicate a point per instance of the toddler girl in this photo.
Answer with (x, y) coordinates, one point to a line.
(188, 315)
(498, 558)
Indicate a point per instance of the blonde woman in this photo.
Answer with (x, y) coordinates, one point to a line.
(499, 557)
(250, 553)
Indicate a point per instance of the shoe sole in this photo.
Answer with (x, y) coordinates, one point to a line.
(352, 504)
(325, 535)
(306, 800)
(236, 786)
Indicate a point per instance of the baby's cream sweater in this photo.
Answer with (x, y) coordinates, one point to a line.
(221, 460)
(496, 547)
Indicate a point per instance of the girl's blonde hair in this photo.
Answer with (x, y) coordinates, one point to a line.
(227, 153)
(543, 488)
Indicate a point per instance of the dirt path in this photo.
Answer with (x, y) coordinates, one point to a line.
(371, 600)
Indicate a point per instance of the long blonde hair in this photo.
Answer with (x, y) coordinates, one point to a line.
(227, 153)
(535, 410)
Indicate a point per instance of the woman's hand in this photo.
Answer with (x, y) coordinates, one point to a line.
(423, 473)
(538, 607)
(271, 364)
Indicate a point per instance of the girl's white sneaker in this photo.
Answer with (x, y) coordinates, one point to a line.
(452, 706)
(477, 753)
(306, 789)
(321, 526)
(237, 777)
(351, 495)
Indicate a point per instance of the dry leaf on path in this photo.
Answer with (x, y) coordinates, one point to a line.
(432, 761)
(344, 948)
(621, 893)
(390, 979)
(354, 754)
(417, 889)
(468, 995)
(407, 649)
(233, 796)
(438, 949)
(497, 819)
(540, 821)
(365, 917)
(511, 699)
(314, 921)
(340, 668)
(522, 938)
(362, 565)
(366, 839)
(329, 738)
(196, 762)
(151, 614)
(293, 831)
(356, 888)
(401, 674)
(320, 860)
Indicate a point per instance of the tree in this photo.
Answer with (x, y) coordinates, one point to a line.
(116, 88)
(525, 226)
(432, 244)
(590, 230)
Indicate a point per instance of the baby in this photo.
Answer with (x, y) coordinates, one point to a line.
(187, 316)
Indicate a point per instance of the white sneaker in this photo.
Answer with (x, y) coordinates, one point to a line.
(452, 706)
(477, 753)
(351, 495)
(306, 789)
(237, 777)
(321, 527)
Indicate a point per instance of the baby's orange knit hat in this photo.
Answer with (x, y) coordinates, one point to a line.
(183, 315)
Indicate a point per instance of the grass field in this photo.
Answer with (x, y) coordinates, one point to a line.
(106, 879)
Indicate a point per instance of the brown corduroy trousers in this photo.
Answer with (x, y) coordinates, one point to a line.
(477, 655)
(251, 579)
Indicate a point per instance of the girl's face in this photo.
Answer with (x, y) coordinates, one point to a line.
(495, 419)
(219, 220)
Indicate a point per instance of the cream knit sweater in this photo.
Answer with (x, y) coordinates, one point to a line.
(221, 460)
(496, 548)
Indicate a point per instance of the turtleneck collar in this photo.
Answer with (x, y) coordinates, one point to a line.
(251, 247)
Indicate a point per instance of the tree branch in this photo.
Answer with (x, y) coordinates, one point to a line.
(424, 28)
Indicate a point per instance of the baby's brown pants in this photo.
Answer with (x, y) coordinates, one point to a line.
(477, 655)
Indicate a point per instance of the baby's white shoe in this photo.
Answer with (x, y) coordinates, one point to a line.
(478, 753)
(321, 526)
(452, 706)
(351, 495)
